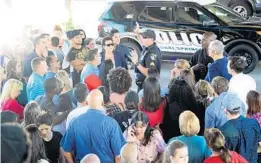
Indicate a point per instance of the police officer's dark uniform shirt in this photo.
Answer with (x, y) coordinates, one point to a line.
(150, 57)
(200, 57)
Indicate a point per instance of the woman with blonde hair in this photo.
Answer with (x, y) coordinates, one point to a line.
(66, 83)
(64, 77)
(189, 128)
(220, 154)
(205, 92)
(11, 91)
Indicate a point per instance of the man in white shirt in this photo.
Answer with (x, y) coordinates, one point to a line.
(80, 92)
(240, 83)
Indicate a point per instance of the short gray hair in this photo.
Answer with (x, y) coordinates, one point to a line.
(220, 84)
(218, 46)
(90, 55)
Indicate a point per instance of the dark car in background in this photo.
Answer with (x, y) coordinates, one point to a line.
(179, 26)
(245, 8)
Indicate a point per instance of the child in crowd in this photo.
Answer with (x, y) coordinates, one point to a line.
(176, 152)
(50, 138)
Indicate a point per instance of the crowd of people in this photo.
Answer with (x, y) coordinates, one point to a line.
(64, 101)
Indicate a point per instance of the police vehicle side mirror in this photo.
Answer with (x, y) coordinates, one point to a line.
(210, 23)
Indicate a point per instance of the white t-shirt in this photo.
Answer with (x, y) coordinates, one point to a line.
(241, 84)
(75, 113)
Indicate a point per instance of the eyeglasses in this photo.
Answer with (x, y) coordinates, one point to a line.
(108, 45)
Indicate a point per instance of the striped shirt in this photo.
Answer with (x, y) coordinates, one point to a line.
(35, 86)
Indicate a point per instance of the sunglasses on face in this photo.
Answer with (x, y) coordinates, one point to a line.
(108, 45)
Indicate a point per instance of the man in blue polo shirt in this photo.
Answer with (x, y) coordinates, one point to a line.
(93, 132)
(215, 115)
(242, 135)
(35, 85)
(219, 66)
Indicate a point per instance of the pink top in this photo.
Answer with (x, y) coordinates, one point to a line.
(14, 106)
(257, 117)
(150, 152)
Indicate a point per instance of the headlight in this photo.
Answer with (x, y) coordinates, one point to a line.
(259, 32)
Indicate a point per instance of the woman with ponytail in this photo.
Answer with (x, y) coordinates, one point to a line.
(149, 141)
(220, 154)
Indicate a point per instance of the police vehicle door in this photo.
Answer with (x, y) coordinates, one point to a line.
(158, 16)
(192, 21)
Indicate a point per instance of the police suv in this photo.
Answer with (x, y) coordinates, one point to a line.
(179, 26)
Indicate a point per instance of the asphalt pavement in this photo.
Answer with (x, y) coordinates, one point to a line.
(167, 66)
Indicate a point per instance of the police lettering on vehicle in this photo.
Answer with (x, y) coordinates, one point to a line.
(169, 41)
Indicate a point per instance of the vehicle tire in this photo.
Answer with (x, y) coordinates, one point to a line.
(248, 52)
(132, 46)
(240, 5)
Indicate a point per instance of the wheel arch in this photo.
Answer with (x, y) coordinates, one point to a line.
(131, 39)
(233, 43)
(249, 2)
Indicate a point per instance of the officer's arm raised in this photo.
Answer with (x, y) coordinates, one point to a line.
(135, 60)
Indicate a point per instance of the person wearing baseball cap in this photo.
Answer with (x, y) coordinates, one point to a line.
(77, 56)
(149, 57)
(243, 135)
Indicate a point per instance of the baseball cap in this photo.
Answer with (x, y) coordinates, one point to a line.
(148, 34)
(131, 100)
(232, 102)
(92, 82)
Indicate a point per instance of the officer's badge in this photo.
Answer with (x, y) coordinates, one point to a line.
(152, 64)
(153, 56)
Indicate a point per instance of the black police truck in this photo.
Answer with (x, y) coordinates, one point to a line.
(179, 26)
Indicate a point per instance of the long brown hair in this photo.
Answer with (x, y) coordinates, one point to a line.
(216, 141)
(253, 102)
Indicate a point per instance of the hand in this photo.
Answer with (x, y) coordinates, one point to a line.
(131, 137)
(137, 28)
(199, 67)
(134, 57)
(44, 52)
(172, 73)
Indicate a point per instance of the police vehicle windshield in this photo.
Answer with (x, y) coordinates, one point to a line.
(224, 14)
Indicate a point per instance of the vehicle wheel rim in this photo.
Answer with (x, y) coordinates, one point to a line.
(130, 64)
(249, 58)
(241, 10)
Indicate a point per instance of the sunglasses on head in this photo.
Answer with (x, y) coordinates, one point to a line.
(108, 45)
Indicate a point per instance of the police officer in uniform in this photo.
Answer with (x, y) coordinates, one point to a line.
(150, 57)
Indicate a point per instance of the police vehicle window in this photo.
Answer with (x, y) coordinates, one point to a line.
(156, 14)
(224, 14)
(120, 12)
(191, 15)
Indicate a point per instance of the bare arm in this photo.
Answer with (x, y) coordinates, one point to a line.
(61, 156)
(143, 70)
(117, 159)
(68, 157)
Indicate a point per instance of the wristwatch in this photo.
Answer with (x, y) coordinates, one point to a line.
(137, 63)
